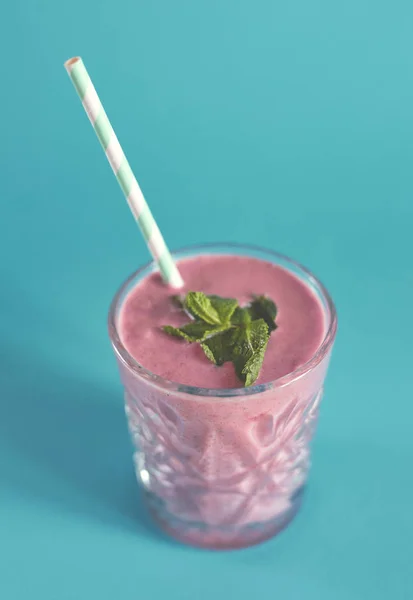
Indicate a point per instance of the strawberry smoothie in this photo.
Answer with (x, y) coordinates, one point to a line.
(223, 466)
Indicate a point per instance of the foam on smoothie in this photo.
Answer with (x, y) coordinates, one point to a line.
(300, 321)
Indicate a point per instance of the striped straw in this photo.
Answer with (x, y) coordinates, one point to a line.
(114, 153)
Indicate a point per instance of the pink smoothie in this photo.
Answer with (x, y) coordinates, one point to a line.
(220, 471)
(300, 320)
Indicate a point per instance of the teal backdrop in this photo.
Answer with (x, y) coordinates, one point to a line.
(284, 124)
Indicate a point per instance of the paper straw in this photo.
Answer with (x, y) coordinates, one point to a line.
(126, 179)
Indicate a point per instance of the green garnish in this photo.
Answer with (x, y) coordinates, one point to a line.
(263, 307)
(227, 331)
(196, 331)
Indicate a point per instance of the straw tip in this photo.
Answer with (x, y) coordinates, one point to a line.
(69, 64)
(176, 280)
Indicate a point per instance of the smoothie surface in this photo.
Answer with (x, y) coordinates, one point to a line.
(300, 320)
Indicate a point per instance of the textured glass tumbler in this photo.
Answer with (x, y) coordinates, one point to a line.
(223, 468)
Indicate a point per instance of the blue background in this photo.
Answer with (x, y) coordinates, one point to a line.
(287, 124)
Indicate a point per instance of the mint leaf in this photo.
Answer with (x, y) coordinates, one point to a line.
(241, 317)
(219, 348)
(211, 309)
(225, 307)
(176, 332)
(200, 306)
(260, 336)
(196, 331)
(263, 307)
(249, 348)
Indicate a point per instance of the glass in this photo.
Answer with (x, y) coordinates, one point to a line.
(206, 483)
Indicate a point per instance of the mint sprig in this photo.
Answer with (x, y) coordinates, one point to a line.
(228, 332)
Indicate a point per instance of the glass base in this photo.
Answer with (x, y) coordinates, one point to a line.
(222, 538)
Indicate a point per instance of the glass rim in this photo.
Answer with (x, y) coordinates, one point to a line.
(167, 384)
